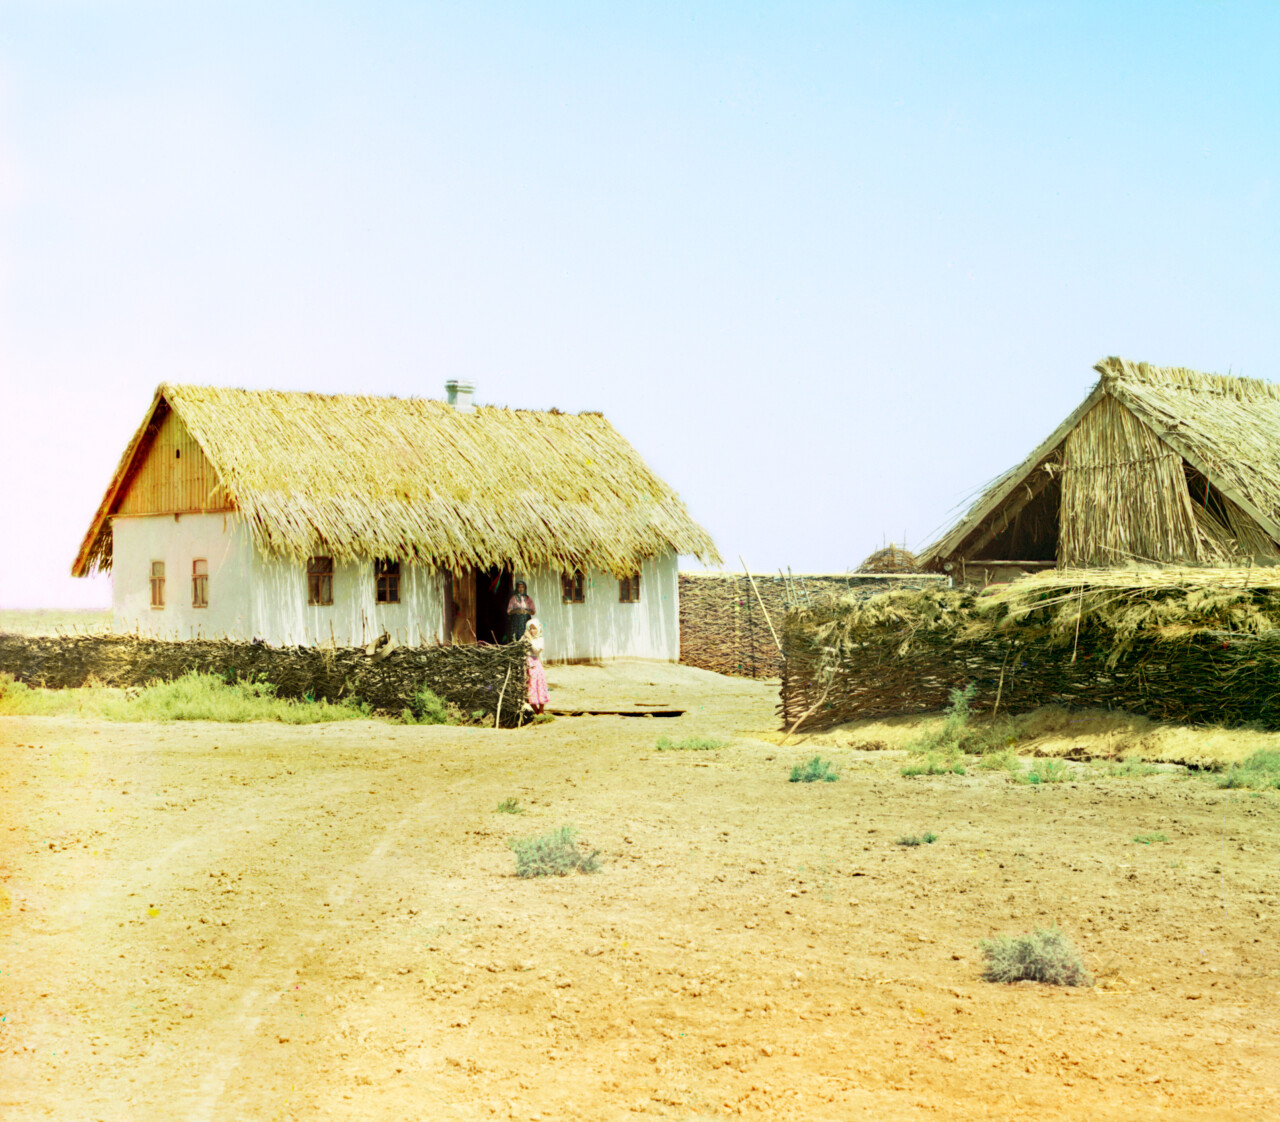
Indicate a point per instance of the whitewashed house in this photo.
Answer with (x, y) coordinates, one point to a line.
(299, 518)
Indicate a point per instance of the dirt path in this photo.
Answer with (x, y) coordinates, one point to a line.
(259, 922)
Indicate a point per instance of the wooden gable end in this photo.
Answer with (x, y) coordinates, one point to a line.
(171, 474)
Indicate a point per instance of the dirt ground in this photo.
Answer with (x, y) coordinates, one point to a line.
(265, 922)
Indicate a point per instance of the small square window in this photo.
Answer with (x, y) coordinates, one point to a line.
(200, 583)
(157, 584)
(629, 589)
(386, 575)
(319, 580)
(571, 587)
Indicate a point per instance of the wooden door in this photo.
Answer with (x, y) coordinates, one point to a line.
(464, 616)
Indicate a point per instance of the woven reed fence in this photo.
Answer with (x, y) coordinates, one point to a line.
(894, 666)
(723, 627)
(471, 677)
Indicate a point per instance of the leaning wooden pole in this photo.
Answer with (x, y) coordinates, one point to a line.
(762, 607)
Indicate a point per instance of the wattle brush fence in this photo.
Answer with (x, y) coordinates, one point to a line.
(841, 668)
(723, 627)
(471, 677)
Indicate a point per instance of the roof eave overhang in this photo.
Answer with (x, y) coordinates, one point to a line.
(81, 566)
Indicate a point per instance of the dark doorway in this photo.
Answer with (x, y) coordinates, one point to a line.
(493, 590)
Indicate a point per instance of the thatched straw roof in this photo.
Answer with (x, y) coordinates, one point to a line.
(1158, 465)
(358, 477)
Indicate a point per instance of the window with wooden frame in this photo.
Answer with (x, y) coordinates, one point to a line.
(629, 589)
(200, 583)
(319, 580)
(386, 577)
(571, 587)
(157, 584)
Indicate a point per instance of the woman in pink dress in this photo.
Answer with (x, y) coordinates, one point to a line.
(538, 696)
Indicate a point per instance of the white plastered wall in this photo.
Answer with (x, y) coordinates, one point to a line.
(281, 615)
(219, 539)
(601, 627)
(256, 597)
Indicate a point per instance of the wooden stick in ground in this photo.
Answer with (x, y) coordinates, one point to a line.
(762, 607)
(806, 714)
(498, 715)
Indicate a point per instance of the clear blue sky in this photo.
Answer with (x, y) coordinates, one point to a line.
(830, 267)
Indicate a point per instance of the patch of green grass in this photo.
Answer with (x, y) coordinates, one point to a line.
(1260, 772)
(509, 806)
(1147, 839)
(690, 744)
(817, 770)
(192, 697)
(1044, 955)
(927, 838)
(1044, 770)
(555, 853)
(935, 764)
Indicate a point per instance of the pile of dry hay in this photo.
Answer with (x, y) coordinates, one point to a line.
(891, 559)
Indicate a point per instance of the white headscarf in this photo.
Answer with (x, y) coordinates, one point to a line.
(533, 632)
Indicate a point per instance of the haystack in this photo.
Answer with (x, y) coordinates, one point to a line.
(891, 559)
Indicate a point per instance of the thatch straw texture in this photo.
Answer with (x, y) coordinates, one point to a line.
(356, 477)
(1158, 464)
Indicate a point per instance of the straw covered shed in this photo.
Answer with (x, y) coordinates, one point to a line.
(314, 518)
(1158, 465)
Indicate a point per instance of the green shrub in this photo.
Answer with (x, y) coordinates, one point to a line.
(1045, 955)
(428, 708)
(552, 854)
(927, 838)
(935, 764)
(1147, 839)
(690, 744)
(1006, 760)
(1260, 772)
(509, 806)
(816, 770)
(1044, 770)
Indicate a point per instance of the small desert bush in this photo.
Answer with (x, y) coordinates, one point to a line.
(1005, 760)
(935, 764)
(555, 853)
(509, 806)
(1045, 955)
(428, 708)
(1147, 839)
(690, 744)
(1260, 771)
(1045, 770)
(927, 838)
(817, 770)
(958, 734)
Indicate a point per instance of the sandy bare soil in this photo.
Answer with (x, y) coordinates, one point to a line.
(261, 922)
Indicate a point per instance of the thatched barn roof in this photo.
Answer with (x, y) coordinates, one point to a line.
(356, 477)
(1157, 465)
